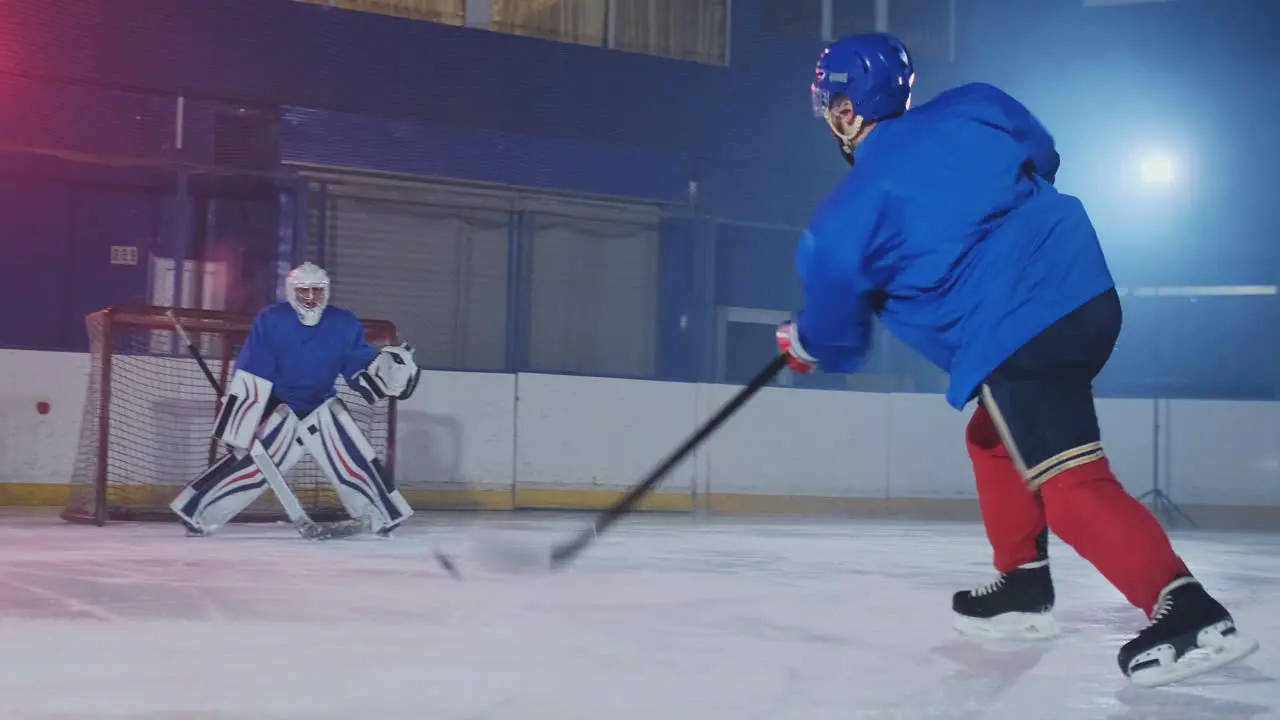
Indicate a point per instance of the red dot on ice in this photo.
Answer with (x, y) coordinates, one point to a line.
(42, 407)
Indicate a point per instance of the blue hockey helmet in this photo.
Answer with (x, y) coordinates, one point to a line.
(873, 70)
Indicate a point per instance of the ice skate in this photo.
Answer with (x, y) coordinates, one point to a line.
(1018, 605)
(1190, 634)
(193, 529)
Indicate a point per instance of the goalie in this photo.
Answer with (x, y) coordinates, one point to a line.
(282, 402)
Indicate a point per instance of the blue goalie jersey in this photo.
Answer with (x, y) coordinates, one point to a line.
(302, 362)
(949, 229)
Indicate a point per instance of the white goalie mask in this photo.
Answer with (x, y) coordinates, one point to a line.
(308, 289)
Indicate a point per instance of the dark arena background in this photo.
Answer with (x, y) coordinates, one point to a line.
(583, 215)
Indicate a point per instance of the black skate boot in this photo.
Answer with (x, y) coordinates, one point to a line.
(1190, 633)
(1018, 605)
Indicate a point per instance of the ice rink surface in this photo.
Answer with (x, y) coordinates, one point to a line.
(667, 617)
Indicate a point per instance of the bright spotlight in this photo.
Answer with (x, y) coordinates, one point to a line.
(1158, 170)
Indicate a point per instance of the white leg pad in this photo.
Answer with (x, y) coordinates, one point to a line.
(352, 466)
(241, 412)
(234, 482)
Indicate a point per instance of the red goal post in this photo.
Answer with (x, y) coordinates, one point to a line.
(149, 410)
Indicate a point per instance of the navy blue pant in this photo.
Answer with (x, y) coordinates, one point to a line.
(1041, 397)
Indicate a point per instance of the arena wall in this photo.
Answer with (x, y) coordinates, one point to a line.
(501, 441)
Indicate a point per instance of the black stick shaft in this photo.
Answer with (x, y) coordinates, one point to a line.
(194, 351)
(563, 553)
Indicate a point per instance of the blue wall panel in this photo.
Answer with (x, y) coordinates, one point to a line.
(682, 322)
(752, 116)
(103, 217)
(98, 78)
(755, 267)
(55, 253)
(81, 120)
(274, 52)
(35, 253)
(481, 155)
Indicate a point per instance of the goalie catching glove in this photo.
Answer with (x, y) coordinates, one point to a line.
(393, 373)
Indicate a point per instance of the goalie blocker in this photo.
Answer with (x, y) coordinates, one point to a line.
(329, 434)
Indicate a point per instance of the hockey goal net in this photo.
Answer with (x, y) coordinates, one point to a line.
(149, 411)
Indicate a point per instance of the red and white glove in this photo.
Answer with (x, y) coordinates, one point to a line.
(789, 343)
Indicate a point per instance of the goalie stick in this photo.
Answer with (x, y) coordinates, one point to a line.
(305, 526)
(563, 553)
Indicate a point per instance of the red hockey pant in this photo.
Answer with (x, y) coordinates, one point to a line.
(1081, 502)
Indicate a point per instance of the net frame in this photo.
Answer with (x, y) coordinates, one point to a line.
(93, 496)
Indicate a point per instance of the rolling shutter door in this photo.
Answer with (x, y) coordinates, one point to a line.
(438, 272)
(435, 260)
(593, 293)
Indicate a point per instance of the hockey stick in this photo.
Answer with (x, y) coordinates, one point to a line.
(306, 527)
(563, 553)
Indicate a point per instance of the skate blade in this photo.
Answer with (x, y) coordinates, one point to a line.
(1009, 626)
(1215, 651)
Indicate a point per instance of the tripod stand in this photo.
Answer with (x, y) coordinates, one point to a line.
(1162, 506)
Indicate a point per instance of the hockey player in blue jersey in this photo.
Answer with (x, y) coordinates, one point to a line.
(282, 402)
(949, 229)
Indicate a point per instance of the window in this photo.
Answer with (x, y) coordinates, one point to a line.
(852, 17)
(826, 19)
(793, 18)
(450, 12)
(585, 22)
(681, 29)
(695, 30)
(925, 27)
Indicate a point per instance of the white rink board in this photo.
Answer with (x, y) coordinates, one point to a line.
(35, 447)
(458, 432)
(927, 455)
(488, 431)
(797, 442)
(1224, 453)
(1128, 438)
(600, 433)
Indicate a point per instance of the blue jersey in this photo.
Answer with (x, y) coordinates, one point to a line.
(303, 362)
(949, 229)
